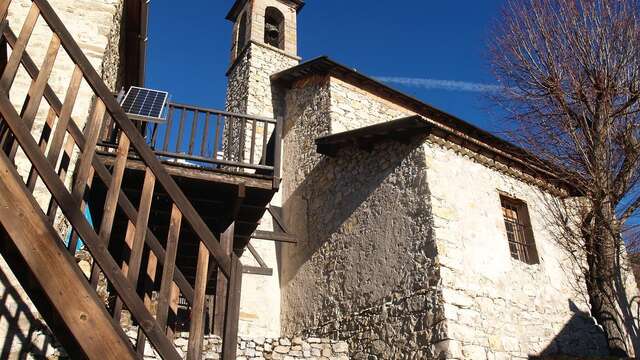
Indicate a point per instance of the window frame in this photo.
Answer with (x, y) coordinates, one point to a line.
(518, 230)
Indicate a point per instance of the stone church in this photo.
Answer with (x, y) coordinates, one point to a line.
(419, 235)
(411, 234)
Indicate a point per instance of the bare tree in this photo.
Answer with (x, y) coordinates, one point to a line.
(571, 75)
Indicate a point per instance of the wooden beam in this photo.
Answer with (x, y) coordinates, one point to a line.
(275, 236)
(253, 270)
(212, 175)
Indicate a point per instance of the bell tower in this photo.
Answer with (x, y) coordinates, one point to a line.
(264, 42)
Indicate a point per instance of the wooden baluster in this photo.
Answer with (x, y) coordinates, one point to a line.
(62, 174)
(73, 240)
(196, 330)
(167, 132)
(111, 200)
(253, 142)
(84, 171)
(142, 221)
(61, 127)
(173, 305)
(180, 130)
(154, 136)
(205, 136)
(217, 136)
(169, 266)
(241, 145)
(226, 240)
(265, 131)
(128, 243)
(83, 166)
(43, 142)
(36, 90)
(4, 9)
(194, 128)
(149, 280)
(232, 316)
(18, 48)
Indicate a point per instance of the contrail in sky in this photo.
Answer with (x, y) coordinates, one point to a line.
(450, 85)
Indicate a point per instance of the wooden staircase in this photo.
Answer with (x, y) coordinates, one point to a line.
(39, 255)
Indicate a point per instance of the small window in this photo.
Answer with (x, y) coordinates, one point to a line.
(519, 233)
(274, 28)
(242, 34)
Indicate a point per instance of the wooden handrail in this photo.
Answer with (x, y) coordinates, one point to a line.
(137, 142)
(221, 112)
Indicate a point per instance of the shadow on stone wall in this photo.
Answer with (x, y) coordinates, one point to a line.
(21, 332)
(337, 187)
(364, 270)
(576, 339)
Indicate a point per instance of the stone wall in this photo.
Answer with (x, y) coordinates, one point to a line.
(364, 268)
(498, 307)
(260, 348)
(95, 25)
(249, 91)
(353, 108)
(399, 256)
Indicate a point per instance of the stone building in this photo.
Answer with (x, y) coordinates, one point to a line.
(112, 33)
(419, 235)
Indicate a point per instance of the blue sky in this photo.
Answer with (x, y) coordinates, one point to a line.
(443, 40)
(189, 48)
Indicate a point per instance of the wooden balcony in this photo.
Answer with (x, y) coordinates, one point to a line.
(226, 164)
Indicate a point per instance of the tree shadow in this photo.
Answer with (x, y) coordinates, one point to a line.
(575, 340)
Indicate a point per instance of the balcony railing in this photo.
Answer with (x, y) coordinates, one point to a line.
(210, 139)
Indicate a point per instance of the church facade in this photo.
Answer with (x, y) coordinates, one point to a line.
(419, 235)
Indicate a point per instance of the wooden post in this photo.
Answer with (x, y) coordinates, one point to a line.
(196, 329)
(230, 339)
(226, 240)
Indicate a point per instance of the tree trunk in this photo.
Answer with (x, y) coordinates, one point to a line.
(602, 265)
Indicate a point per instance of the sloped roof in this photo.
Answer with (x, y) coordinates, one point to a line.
(445, 125)
(400, 129)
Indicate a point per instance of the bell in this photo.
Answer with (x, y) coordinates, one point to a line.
(272, 31)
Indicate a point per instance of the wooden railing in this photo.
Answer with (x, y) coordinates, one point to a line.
(210, 139)
(44, 149)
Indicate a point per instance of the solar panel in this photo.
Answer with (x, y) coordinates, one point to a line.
(144, 104)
